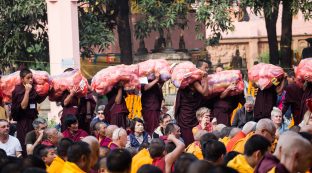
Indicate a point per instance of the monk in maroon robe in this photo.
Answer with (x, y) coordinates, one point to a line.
(265, 101)
(72, 129)
(24, 105)
(188, 100)
(70, 104)
(116, 109)
(293, 99)
(151, 99)
(306, 95)
(223, 108)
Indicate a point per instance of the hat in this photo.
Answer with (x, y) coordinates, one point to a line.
(101, 108)
(309, 104)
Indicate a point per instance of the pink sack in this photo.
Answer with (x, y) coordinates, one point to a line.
(185, 73)
(304, 70)
(262, 74)
(150, 67)
(218, 82)
(67, 81)
(104, 80)
(41, 82)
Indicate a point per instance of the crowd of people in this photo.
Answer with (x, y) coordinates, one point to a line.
(270, 132)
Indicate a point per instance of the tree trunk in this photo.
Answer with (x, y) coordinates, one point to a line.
(124, 32)
(270, 23)
(286, 36)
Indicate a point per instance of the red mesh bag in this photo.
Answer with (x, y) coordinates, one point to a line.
(262, 74)
(104, 80)
(185, 73)
(304, 70)
(67, 81)
(218, 82)
(150, 67)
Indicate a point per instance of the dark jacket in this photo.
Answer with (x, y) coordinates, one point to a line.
(242, 117)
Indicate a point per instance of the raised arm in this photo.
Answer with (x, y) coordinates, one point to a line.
(228, 90)
(151, 84)
(25, 100)
(202, 88)
(170, 158)
(118, 96)
(70, 96)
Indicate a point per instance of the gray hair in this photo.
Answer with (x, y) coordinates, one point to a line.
(118, 132)
(275, 111)
(250, 100)
(101, 108)
(38, 121)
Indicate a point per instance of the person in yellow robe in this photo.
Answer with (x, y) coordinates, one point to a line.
(255, 148)
(79, 156)
(195, 147)
(141, 158)
(60, 159)
(265, 127)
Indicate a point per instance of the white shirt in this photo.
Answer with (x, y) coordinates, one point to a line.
(11, 146)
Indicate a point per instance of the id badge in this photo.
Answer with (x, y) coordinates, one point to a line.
(32, 106)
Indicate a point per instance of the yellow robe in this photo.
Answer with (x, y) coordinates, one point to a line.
(240, 144)
(141, 158)
(70, 167)
(225, 140)
(240, 164)
(56, 165)
(195, 149)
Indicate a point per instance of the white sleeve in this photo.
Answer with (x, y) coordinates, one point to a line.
(17, 144)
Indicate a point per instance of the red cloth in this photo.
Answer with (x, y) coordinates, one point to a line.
(160, 163)
(309, 104)
(47, 143)
(233, 141)
(293, 98)
(75, 137)
(112, 146)
(306, 95)
(105, 142)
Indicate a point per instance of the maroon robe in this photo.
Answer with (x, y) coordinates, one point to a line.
(265, 101)
(80, 134)
(70, 109)
(293, 99)
(306, 95)
(268, 162)
(116, 114)
(24, 117)
(187, 103)
(105, 142)
(223, 108)
(151, 106)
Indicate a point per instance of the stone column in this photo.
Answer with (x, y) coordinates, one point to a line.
(63, 36)
(253, 52)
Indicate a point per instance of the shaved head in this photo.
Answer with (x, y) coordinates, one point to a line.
(234, 131)
(109, 130)
(292, 150)
(266, 128)
(249, 127)
(94, 146)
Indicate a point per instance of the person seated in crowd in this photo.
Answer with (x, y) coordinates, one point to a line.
(72, 131)
(230, 156)
(164, 120)
(173, 129)
(164, 160)
(265, 127)
(46, 153)
(245, 114)
(149, 169)
(195, 148)
(213, 151)
(280, 124)
(203, 117)
(78, 158)
(51, 137)
(100, 117)
(183, 162)
(247, 129)
(104, 151)
(100, 128)
(61, 151)
(119, 139)
(290, 155)
(108, 135)
(94, 146)
(224, 133)
(138, 136)
(200, 166)
(103, 165)
(35, 136)
(8, 143)
(255, 148)
(307, 118)
(118, 161)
